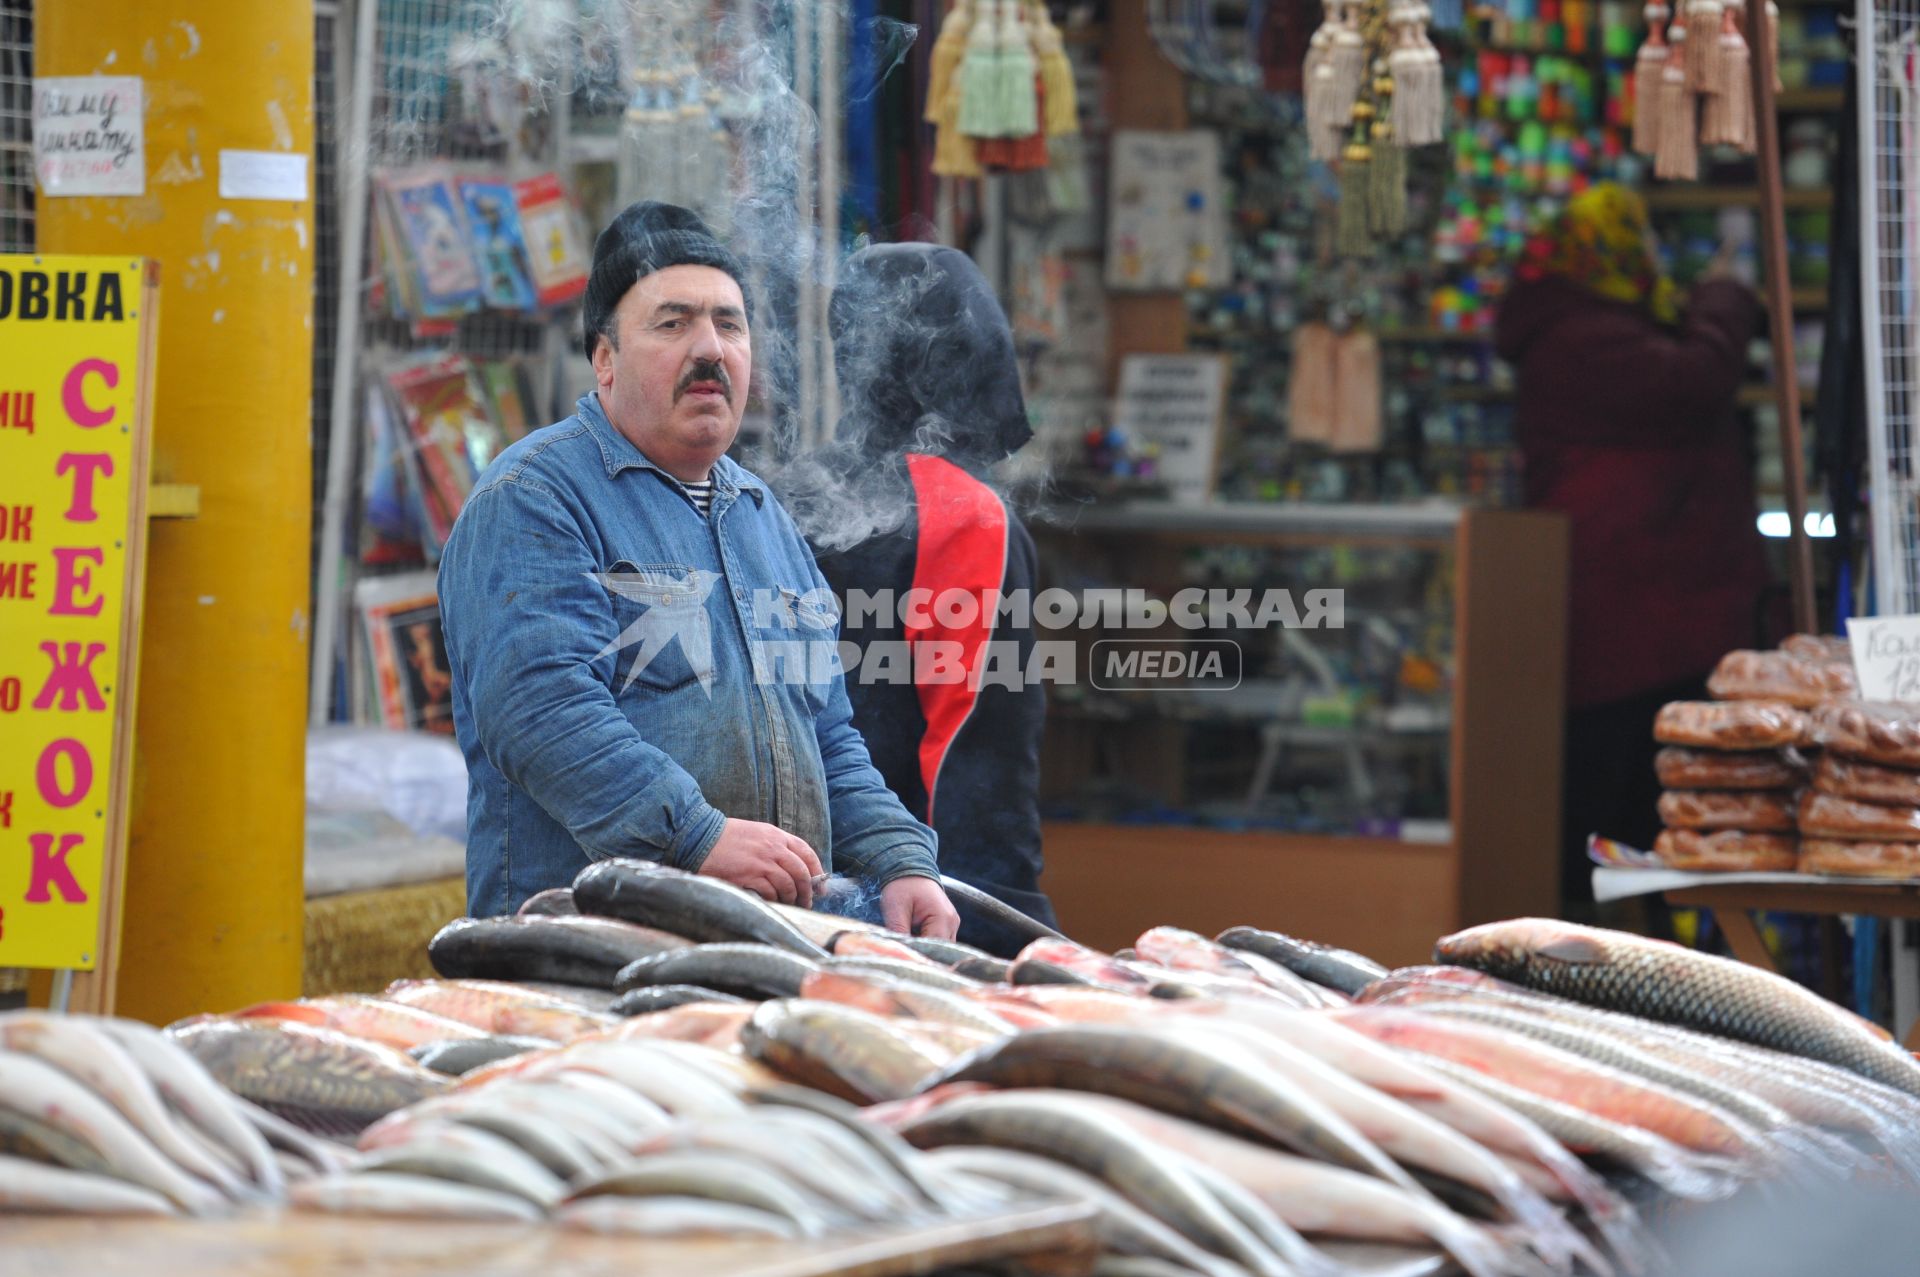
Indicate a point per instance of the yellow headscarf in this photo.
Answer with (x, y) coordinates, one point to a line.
(1600, 242)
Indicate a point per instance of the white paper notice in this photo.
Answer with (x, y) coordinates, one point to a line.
(262, 175)
(1886, 656)
(89, 136)
(1176, 402)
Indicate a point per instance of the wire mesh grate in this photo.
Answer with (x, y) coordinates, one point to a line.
(1889, 32)
(16, 126)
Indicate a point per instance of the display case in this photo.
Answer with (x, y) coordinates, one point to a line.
(1373, 784)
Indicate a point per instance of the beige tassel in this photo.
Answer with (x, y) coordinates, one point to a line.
(1773, 42)
(1357, 393)
(1316, 79)
(1348, 64)
(1678, 156)
(1056, 72)
(1647, 68)
(1703, 54)
(947, 52)
(1729, 114)
(1310, 385)
(1420, 91)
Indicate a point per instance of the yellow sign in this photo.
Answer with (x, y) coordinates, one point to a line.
(76, 341)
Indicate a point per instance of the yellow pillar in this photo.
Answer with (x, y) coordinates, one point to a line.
(214, 902)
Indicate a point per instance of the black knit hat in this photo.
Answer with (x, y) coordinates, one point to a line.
(646, 237)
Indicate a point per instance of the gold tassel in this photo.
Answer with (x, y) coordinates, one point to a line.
(1387, 185)
(1056, 72)
(1352, 237)
(1678, 156)
(947, 52)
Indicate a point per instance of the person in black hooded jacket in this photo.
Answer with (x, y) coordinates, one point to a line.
(901, 502)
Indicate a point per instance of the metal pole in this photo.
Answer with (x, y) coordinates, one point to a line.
(806, 420)
(352, 147)
(62, 995)
(1786, 376)
(1877, 173)
(830, 37)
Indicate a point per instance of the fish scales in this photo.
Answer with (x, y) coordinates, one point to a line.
(700, 908)
(1664, 981)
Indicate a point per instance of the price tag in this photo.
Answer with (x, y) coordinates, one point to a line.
(1886, 656)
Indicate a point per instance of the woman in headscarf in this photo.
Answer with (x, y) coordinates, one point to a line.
(1626, 422)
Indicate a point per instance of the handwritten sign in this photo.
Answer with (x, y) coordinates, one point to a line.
(73, 357)
(1166, 213)
(89, 136)
(1177, 403)
(1886, 656)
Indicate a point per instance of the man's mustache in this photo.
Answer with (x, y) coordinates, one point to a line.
(705, 370)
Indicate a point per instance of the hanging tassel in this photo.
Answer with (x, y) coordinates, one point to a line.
(1351, 236)
(1019, 108)
(979, 78)
(947, 52)
(1427, 89)
(1703, 54)
(1348, 64)
(1729, 115)
(1678, 156)
(1061, 106)
(1316, 80)
(955, 154)
(1387, 185)
(1773, 42)
(1647, 66)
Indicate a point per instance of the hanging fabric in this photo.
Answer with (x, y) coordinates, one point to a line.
(1648, 67)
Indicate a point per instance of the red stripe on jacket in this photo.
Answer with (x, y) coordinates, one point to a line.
(962, 545)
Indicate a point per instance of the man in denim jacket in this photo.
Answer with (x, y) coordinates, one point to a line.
(639, 639)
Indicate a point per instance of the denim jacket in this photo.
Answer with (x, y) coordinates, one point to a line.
(627, 673)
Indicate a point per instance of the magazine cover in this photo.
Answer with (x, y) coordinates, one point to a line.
(407, 652)
(447, 424)
(507, 397)
(498, 247)
(433, 238)
(554, 244)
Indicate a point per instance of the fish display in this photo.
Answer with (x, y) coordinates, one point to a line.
(681, 1059)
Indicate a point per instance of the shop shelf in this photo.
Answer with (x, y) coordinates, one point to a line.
(1694, 196)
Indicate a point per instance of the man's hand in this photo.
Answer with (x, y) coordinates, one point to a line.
(766, 860)
(917, 906)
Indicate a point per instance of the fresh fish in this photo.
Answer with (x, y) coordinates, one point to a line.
(468, 1155)
(947, 953)
(650, 998)
(1180, 950)
(1658, 1160)
(985, 970)
(699, 908)
(996, 926)
(1030, 971)
(555, 1148)
(391, 1024)
(1566, 1078)
(822, 925)
(1339, 969)
(1546, 1164)
(467, 1054)
(579, 996)
(887, 998)
(907, 1164)
(319, 1156)
(398, 1195)
(864, 944)
(554, 902)
(1663, 981)
(319, 1080)
(1092, 966)
(672, 1217)
(1120, 1225)
(209, 1107)
(39, 1189)
(1047, 1125)
(747, 969)
(44, 1094)
(1081, 1004)
(649, 1069)
(91, 1057)
(1312, 1197)
(630, 1106)
(1680, 1075)
(716, 1024)
(566, 950)
(1213, 1083)
(711, 1176)
(1419, 1143)
(796, 1156)
(838, 1049)
(500, 1008)
(919, 971)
